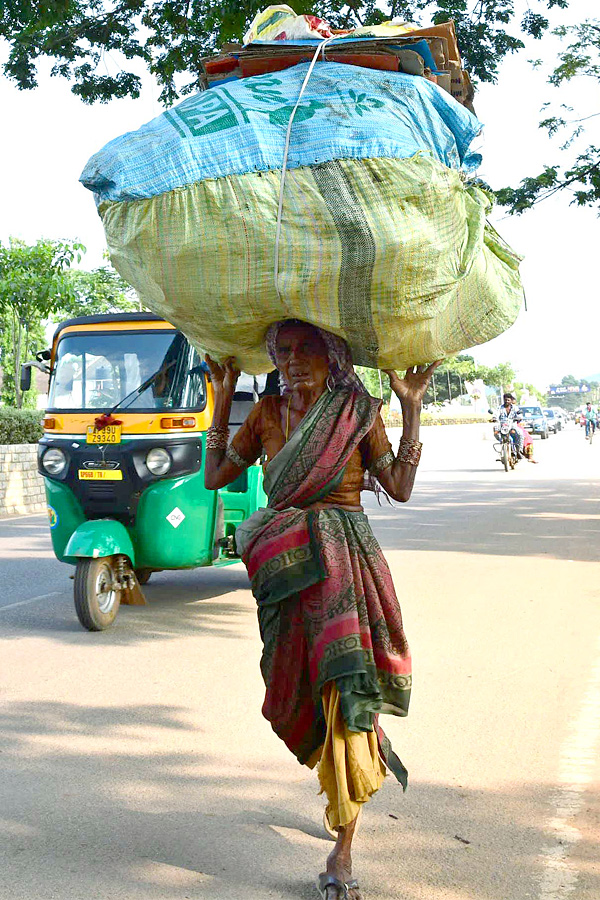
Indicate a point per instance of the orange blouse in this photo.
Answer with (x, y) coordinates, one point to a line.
(262, 434)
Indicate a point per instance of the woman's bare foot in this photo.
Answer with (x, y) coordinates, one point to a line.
(339, 864)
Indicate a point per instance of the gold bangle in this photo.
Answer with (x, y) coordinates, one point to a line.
(409, 451)
(384, 462)
(217, 437)
(234, 457)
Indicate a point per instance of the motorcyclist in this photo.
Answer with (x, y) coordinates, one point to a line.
(511, 413)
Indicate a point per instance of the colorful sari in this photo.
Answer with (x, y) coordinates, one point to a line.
(327, 608)
(526, 440)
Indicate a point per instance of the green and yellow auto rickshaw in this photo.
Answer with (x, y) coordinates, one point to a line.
(122, 458)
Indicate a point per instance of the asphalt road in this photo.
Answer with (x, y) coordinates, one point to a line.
(135, 764)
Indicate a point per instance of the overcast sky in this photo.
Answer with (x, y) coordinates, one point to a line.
(49, 135)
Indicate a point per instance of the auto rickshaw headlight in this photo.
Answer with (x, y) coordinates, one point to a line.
(54, 461)
(158, 461)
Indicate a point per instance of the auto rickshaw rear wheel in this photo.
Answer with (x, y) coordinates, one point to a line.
(143, 575)
(96, 599)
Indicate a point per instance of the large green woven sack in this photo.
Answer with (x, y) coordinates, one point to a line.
(393, 255)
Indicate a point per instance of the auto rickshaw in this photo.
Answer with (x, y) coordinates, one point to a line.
(122, 458)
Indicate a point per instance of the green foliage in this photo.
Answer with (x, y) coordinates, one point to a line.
(101, 46)
(34, 276)
(580, 175)
(448, 381)
(500, 376)
(521, 387)
(581, 56)
(370, 379)
(20, 426)
(582, 179)
(37, 283)
(169, 37)
(33, 284)
(99, 291)
(33, 341)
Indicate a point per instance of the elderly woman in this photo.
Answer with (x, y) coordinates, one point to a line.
(335, 654)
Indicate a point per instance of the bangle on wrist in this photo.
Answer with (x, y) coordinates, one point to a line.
(409, 451)
(217, 437)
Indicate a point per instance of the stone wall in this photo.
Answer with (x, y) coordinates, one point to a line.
(21, 486)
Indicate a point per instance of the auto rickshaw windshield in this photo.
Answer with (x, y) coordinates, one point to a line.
(96, 370)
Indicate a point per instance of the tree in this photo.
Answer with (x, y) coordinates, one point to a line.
(100, 291)
(521, 387)
(33, 284)
(38, 284)
(377, 383)
(8, 372)
(169, 37)
(580, 174)
(448, 380)
(457, 370)
(500, 376)
(445, 368)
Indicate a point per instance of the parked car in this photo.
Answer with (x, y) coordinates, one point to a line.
(565, 416)
(554, 420)
(535, 421)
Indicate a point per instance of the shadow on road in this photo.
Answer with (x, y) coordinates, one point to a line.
(178, 603)
(24, 539)
(92, 806)
(537, 520)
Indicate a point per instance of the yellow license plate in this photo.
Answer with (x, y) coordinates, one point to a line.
(101, 474)
(109, 435)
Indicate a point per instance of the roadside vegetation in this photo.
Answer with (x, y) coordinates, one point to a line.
(20, 426)
(39, 284)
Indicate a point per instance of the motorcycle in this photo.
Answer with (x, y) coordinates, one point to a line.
(505, 445)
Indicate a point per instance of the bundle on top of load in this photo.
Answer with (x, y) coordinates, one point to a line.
(319, 181)
(279, 39)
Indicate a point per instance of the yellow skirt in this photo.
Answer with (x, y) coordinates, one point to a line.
(349, 766)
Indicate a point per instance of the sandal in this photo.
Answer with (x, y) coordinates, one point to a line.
(326, 880)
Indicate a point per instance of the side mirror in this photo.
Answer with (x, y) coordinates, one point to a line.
(491, 412)
(25, 381)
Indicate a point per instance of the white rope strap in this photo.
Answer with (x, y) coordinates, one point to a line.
(318, 50)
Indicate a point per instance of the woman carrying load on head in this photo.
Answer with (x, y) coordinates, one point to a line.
(334, 654)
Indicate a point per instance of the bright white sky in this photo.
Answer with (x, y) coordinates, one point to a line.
(49, 135)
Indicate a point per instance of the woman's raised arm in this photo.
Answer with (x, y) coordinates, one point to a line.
(399, 478)
(218, 469)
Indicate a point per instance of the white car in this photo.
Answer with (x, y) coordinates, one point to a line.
(554, 420)
(562, 414)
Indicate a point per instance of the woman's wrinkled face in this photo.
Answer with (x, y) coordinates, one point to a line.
(301, 357)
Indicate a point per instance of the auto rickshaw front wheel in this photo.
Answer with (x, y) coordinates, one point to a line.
(97, 599)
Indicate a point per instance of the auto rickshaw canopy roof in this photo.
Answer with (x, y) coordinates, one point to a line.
(106, 318)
